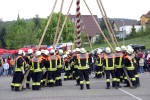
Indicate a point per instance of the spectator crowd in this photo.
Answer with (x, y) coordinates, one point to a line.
(7, 66)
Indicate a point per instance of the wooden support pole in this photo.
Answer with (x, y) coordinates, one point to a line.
(49, 20)
(57, 28)
(101, 32)
(64, 22)
(109, 31)
(109, 23)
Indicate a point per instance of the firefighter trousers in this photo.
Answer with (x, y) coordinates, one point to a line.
(51, 78)
(119, 74)
(112, 73)
(84, 75)
(77, 76)
(58, 77)
(17, 80)
(99, 70)
(67, 75)
(36, 84)
(29, 77)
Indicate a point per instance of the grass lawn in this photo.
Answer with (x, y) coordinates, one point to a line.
(145, 40)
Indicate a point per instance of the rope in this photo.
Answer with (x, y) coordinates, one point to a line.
(106, 23)
(64, 22)
(49, 20)
(109, 23)
(58, 23)
(101, 32)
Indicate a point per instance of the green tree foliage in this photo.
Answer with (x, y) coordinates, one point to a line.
(2, 37)
(67, 34)
(133, 32)
(20, 34)
(28, 32)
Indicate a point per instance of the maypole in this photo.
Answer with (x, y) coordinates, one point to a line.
(78, 23)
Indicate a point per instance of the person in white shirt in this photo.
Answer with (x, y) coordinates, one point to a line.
(6, 67)
(141, 64)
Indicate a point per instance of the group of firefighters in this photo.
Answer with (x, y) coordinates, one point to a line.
(45, 67)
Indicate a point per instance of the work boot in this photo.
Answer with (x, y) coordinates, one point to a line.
(81, 86)
(108, 85)
(113, 84)
(88, 86)
(138, 82)
(60, 82)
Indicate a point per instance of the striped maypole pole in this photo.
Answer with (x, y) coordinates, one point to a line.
(78, 24)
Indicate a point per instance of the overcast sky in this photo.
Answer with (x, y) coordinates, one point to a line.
(132, 9)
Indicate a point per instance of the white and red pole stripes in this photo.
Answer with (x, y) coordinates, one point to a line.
(78, 23)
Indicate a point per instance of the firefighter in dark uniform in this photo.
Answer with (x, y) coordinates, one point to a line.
(29, 67)
(66, 67)
(37, 64)
(44, 54)
(19, 72)
(59, 68)
(83, 68)
(99, 64)
(76, 64)
(72, 65)
(109, 65)
(123, 50)
(135, 71)
(118, 64)
(129, 65)
(52, 67)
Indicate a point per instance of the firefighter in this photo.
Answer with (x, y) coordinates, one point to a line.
(118, 65)
(19, 71)
(109, 65)
(123, 77)
(99, 64)
(44, 54)
(29, 67)
(83, 68)
(37, 64)
(52, 67)
(45, 57)
(129, 65)
(72, 65)
(135, 69)
(59, 68)
(76, 64)
(66, 67)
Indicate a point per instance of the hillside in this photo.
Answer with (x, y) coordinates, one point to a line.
(145, 40)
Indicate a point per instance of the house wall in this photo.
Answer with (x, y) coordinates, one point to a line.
(144, 20)
(128, 29)
(93, 39)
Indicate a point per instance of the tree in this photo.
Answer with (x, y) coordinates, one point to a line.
(2, 37)
(20, 34)
(133, 31)
(67, 34)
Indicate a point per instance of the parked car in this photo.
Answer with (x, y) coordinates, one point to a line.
(137, 46)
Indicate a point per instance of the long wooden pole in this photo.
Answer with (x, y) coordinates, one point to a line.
(109, 23)
(64, 22)
(57, 28)
(49, 20)
(101, 32)
(106, 24)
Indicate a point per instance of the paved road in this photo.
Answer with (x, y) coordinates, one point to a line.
(71, 92)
